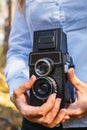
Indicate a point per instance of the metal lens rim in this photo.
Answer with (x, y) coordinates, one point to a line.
(47, 62)
(35, 94)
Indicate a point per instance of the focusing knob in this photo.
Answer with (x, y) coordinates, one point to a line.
(43, 87)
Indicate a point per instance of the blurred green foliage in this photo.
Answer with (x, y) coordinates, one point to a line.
(2, 58)
(1, 54)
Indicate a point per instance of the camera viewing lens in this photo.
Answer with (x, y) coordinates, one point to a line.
(43, 67)
(43, 87)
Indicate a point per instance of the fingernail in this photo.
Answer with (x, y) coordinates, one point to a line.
(32, 77)
(59, 100)
(54, 95)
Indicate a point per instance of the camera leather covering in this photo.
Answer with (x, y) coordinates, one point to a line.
(48, 62)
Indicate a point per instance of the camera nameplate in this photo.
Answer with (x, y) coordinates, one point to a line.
(35, 56)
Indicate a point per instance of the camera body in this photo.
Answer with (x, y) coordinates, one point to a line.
(49, 62)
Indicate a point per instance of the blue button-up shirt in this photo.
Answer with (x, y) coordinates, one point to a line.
(71, 15)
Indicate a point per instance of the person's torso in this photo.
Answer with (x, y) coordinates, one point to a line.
(71, 15)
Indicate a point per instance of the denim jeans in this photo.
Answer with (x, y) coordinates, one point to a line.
(26, 125)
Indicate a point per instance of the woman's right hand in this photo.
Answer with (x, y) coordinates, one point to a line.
(48, 114)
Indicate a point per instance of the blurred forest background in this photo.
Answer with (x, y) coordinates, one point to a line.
(10, 118)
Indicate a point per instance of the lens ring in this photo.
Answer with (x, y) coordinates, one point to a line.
(43, 67)
(43, 87)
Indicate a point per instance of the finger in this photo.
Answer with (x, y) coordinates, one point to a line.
(24, 87)
(74, 109)
(40, 111)
(49, 104)
(65, 118)
(31, 112)
(35, 113)
(52, 114)
(73, 79)
(58, 118)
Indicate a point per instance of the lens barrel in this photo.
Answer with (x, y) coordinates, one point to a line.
(43, 67)
(43, 87)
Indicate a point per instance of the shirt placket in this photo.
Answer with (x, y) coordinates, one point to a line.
(58, 13)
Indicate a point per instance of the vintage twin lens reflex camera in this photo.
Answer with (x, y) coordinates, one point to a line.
(49, 62)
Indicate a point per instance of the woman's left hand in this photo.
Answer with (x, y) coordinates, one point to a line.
(77, 109)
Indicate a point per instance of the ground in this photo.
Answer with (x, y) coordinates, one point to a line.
(10, 117)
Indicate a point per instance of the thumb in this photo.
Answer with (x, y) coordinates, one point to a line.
(73, 109)
(25, 86)
(74, 79)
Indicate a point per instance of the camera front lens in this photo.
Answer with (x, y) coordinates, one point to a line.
(43, 67)
(43, 87)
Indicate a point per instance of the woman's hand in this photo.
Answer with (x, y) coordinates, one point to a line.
(48, 114)
(79, 107)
